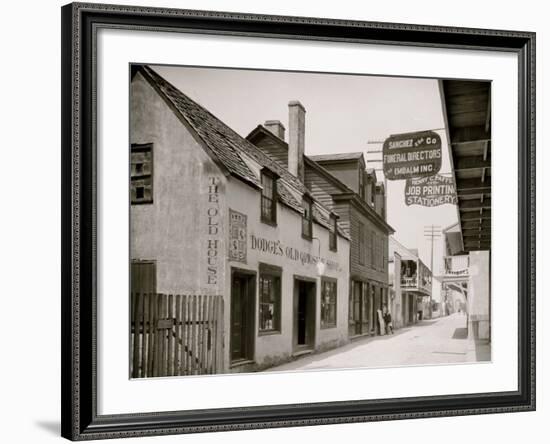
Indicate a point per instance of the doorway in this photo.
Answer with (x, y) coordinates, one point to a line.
(304, 314)
(243, 290)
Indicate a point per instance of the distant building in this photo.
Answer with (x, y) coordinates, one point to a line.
(411, 282)
(342, 184)
(468, 274)
(213, 215)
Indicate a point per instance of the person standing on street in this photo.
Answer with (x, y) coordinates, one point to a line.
(388, 321)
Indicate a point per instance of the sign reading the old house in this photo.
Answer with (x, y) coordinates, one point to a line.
(430, 191)
(412, 155)
(237, 236)
(213, 230)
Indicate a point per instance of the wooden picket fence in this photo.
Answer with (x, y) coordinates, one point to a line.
(176, 335)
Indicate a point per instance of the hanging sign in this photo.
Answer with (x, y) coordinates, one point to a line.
(412, 155)
(430, 191)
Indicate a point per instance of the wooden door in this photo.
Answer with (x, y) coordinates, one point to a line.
(242, 316)
(304, 315)
(143, 277)
(365, 308)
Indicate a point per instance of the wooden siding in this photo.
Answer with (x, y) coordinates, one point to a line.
(347, 173)
(376, 246)
(320, 187)
(277, 151)
(343, 211)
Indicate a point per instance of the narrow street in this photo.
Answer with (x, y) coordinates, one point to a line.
(438, 341)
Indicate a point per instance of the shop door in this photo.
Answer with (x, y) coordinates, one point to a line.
(365, 308)
(404, 309)
(304, 315)
(355, 309)
(412, 311)
(242, 316)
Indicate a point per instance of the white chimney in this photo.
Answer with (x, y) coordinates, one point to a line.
(296, 138)
(275, 127)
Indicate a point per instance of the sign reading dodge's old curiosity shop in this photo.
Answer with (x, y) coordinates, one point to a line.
(430, 191)
(412, 155)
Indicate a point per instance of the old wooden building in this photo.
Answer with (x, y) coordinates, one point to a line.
(215, 218)
(411, 282)
(343, 184)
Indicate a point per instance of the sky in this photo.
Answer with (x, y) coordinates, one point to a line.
(344, 113)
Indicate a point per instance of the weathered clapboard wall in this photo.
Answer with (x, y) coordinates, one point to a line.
(176, 335)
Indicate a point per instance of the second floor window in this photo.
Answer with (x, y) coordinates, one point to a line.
(333, 234)
(141, 173)
(307, 218)
(362, 246)
(269, 198)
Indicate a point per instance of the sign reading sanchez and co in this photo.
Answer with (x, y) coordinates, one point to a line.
(277, 248)
(412, 155)
(430, 191)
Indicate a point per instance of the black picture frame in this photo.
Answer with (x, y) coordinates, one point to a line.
(79, 413)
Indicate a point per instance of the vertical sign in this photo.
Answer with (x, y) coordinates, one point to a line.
(237, 236)
(213, 228)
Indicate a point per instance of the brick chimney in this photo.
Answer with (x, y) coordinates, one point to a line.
(275, 127)
(296, 138)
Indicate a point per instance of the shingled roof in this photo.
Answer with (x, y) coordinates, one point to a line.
(229, 150)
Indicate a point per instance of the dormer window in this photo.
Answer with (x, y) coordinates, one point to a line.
(269, 198)
(333, 234)
(361, 184)
(307, 218)
(372, 194)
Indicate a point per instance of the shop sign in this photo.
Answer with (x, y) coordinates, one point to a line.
(412, 155)
(237, 236)
(430, 191)
(277, 248)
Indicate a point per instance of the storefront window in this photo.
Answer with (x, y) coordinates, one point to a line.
(270, 299)
(328, 303)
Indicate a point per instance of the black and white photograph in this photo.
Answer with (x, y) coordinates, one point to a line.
(295, 221)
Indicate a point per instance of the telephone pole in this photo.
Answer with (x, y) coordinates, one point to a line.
(432, 232)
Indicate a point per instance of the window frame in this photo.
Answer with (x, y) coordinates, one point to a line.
(274, 197)
(309, 201)
(137, 148)
(333, 233)
(361, 184)
(272, 271)
(332, 282)
(362, 243)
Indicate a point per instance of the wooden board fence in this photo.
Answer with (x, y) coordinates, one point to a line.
(176, 335)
